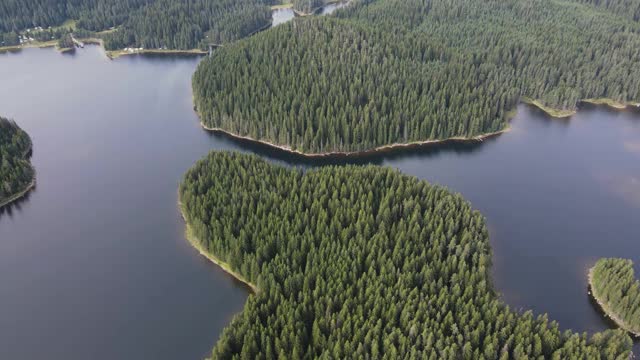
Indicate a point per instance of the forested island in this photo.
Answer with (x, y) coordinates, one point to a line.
(143, 25)
(617, 291)
(361, 262)
(384, 72)
(17, 176)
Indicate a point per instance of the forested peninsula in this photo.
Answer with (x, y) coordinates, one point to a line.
(142, 25)
(17, 176)
(361, 262)
(617, 291)
(384, 72)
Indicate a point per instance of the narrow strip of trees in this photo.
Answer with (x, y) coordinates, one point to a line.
(16, 173)
(615, 287)
(361, 262)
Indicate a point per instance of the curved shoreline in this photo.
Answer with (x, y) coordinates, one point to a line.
(195, 243)
(561, 113)
(605, 309)
(416, 144)
(374, 151)
(20, 194)
(30, 185)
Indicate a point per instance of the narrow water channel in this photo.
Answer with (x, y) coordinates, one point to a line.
(93, 264)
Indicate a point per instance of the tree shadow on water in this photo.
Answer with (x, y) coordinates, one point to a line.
(374, 157)
(15, 206)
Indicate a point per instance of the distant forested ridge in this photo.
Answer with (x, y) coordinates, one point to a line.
(361, 262)
(394, 71)
(16, 173)
(614, 285)
(172, 24)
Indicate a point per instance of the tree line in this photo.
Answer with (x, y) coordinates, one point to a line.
(189, 24)
(614, 284)
(394, 71)
(181, 24)
(361, 262)
(16, 172)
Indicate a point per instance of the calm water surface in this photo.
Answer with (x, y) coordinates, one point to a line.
(281, 16)
(329, 9)
(93, 264)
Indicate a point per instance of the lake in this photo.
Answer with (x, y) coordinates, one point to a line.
(94, 264)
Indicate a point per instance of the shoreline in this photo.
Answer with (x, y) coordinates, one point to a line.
(20, 194)
(111, 54)
(32, 184)
(561, 113)
(605, 309)
(359, 153)
(35, 45)
(195, 243)
(554, 113)
(114, 54)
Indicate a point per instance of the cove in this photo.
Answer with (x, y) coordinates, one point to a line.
(94, 263)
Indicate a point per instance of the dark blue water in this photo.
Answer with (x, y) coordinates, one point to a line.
(93, 264)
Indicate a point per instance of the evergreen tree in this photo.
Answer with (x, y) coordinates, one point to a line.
(361, 262)
(16, 172)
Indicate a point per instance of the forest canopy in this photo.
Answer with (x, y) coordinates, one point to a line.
(381, 72)
(16, 172)
(361, 262)
(172, 24)
(614, 286)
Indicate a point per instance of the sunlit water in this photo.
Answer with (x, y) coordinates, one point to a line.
(281, 16)
(93, 264)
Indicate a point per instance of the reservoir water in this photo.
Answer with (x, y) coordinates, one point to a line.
(280, 16)
(93, 263)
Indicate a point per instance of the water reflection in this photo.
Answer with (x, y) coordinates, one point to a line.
(94, 264)
(376, 158)
(15, 207)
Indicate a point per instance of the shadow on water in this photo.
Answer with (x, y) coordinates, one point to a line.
(105, 220)
(69, 54)
(607, 321)
(16, 205)
(424, 151)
